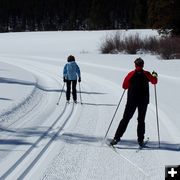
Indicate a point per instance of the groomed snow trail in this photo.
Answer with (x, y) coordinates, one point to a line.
(65, 141)
(36, 129)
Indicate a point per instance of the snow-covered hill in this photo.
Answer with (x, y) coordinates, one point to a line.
(42, 140)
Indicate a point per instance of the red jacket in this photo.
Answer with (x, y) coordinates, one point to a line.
(137, 83)
(127, 79)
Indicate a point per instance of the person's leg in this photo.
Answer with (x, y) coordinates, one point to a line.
(142, 108)
(68, 90)
(128, 113)
(74, 93)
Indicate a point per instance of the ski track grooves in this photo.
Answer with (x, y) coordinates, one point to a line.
(24, 104)
(18, 162)
(49, 143)
(135, 160)
(64, 116)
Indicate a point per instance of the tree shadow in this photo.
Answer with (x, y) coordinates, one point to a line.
(96, 104)
(28, 132)
(14, 142)
(28, 83)
(9, 150)
(5, 99)
(76, 138)
(87, 92)
(21, 135)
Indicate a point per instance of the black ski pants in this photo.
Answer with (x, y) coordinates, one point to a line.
(69, 84)
(128, 114)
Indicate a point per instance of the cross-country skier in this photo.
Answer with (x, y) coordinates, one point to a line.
(137, 83)
(71, 74)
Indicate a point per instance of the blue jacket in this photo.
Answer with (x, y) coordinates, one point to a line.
(71, 71)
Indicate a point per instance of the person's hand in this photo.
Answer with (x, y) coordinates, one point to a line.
(154, 74)
(79, 80)
(64, 79)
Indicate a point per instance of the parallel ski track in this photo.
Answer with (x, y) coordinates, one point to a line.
(30, 110)
(142, 170)
(31, 98)
(25, 103)
(50, 141)
(17, 163)
(46, 146)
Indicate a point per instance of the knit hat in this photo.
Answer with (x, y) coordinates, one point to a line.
(139, 62)
(71, 58)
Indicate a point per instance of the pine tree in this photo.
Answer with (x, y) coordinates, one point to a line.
(176, 18)
(140, 14)
(100, 14)
(160, 14)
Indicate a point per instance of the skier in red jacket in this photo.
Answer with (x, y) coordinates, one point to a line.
(137, 83)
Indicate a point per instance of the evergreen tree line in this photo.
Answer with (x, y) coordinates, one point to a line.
(48, 15)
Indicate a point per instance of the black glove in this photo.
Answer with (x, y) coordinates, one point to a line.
(64, 79)
(79, 80)
(154, 74)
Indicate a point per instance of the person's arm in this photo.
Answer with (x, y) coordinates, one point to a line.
(65, 73)
(152, 77)
(78, 73)
(127, 79)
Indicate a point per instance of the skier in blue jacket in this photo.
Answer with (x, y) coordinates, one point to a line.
(71, 74)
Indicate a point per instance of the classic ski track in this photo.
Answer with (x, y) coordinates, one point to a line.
(130, 162)
(75, 128)
(39, 155)
(136, 166)
(28, 100)
(139, 156)
(161, 113)
(142, 156)
(20, 160)
(25, 155)
(31, 108)
(26, 103)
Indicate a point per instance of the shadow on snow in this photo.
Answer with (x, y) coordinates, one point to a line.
(28, 83)
(77, 138)
(5, 99)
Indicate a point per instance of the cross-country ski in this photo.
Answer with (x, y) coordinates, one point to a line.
(144, 145)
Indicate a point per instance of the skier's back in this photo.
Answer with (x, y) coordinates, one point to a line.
(137, 83)
(138, 90)
(71, 73)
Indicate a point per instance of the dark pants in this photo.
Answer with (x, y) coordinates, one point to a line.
(68, 91)
(128, 113)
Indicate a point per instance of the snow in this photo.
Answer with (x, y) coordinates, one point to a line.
(42, 140)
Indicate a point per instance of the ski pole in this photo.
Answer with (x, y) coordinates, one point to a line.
(157, 114)
(114, 115)
(80, 93)
(60, 94)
